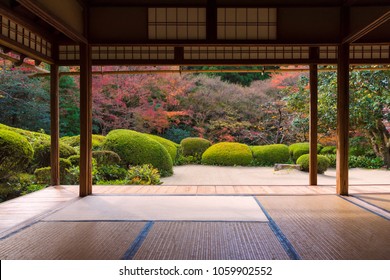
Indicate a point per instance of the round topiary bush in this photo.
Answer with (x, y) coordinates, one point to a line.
(298, 149)
(194, 146)
(135, 148)
(42, 153)
(15, 153)
(228, 153)
(168, 144)
(322, 163)
(268, 155)
(106, 157)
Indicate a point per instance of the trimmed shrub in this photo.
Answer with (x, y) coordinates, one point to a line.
(42, 153)
(15, 153)
(298, 149)
(106, 157)
(332, 159)
(194, 146)
(328, 150)
(268, 155)
(143, 175)
(75, 160)
(135, 148)
(31, 136)
(110, 172)
(74, 141)
(228, 153)
(43, 175)
(168, 144)
(322, 163)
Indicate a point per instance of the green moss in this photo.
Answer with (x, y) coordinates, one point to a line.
(328, 150)
(42, 153)
(268, 155)
(135, 148)
(194, 146)
(15, 153)
(168, 144)
(322, 163)
(228, 154)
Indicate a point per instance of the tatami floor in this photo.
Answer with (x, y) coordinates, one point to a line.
(198, 222)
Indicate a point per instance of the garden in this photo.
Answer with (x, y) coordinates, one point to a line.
(144, 125)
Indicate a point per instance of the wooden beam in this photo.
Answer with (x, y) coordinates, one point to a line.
(367, 29)
(85, 120)
(56, 22)
(54, 125)
(342, 120)
(211, 20)
(313, 127)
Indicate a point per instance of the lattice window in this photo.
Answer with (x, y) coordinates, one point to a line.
(69, 52)
(240, 53)
(133, 52)
(246, 23)
(369, 52)
(328, 52)
(177, 23)
(23, 36)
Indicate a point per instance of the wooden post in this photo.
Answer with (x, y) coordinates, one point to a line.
(85, 120)
(54, 126)
(313, 124)
(342, 119)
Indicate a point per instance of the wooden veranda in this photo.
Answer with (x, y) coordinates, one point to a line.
(197, 32)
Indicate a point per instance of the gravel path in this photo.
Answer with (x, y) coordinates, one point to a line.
(217, 175)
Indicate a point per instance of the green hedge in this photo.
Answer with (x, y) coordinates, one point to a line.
(31, 136)
(43, 174)
(328, 150)
(42, 153)
(268, 155)
(322, 163)
(228, 154)
(135, 148)
(15, 153)
(74, 141)
(194, 146)
(168, 144)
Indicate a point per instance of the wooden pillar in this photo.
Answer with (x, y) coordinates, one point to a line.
(85, 120)
(54, 126)
(313, 126)
(342, 119)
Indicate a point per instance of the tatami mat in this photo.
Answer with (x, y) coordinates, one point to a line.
(328, 227)
(71, 241)
(210, 241)
(379, 200)
(162, 208)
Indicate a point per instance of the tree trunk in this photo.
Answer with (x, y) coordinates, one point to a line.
(380, 142)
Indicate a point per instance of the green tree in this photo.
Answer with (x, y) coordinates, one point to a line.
(24, 101)
(369, 106)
